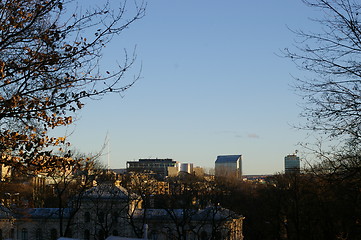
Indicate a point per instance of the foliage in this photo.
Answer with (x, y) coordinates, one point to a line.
(49, 63)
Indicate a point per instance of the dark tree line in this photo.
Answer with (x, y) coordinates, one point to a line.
(312, 205)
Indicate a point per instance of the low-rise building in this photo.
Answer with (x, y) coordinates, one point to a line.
(108, 210)
(155, 165)
(209, 223)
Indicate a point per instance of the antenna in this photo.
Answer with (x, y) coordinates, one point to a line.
(107, 144)
(108, 154)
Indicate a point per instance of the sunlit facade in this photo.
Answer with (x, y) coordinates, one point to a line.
(229, 166)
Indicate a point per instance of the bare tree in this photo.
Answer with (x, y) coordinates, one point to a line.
(333, 96)
(105, 208)
(69, 181)
(50, 63)
(142, 189)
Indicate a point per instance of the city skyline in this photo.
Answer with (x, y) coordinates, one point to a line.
(212, 83)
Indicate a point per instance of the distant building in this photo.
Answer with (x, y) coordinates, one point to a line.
(292, 164)
(5, 172)
(229, 166)
(155, 165)
(186, 167)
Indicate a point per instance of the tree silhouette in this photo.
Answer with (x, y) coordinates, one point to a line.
(333, 95)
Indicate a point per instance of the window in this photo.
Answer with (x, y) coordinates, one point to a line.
(86, 217)
(191, 235)
(24, 234)
(115, 233)
(115, 216)
(204, 235)
(218, 235)
(12, 233)
(53, 234)
(86, 234)
(101, 217)
(38, 234)
(101, 235)
(69, 233)
(153, 235)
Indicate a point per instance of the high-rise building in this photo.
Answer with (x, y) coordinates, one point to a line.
(229, 165)
(292, 164)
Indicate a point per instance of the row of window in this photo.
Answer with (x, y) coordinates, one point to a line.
(101, 217)
(53, 234)
(25, 234)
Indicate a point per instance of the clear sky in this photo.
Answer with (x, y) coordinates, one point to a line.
(212, 84)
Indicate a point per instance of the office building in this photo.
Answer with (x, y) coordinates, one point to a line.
(292, 164)
(229, 166)
(155, 165)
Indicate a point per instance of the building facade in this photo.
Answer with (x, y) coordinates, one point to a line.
(209, 223)
(155, 165)
(292, 164)
(107, 210)
(229, 166)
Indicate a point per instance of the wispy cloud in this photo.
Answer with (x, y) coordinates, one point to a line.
(253, 135)
(238, 134)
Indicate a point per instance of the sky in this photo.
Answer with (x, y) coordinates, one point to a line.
(212, 83)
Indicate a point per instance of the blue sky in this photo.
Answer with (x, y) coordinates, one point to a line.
(211, 84)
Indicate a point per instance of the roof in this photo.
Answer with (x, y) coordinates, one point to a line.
(39, 213)
(64, 238)
(106, 191)
(228, 158)
(5, 212)
(208, 214)
(122, 238)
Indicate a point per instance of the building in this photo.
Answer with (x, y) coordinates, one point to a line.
(155, 165)
(186, 167)
(292, 164)
(5, 172)
(229, 166)
(213, 222)
(107, 210)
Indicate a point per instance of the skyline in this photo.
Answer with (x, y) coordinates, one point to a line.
(211, 84)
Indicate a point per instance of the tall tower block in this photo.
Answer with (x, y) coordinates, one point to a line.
(292, 164)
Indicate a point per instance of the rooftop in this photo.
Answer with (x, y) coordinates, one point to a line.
(156, 160)
(228, 158)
